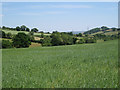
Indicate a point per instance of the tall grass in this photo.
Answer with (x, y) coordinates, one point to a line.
(74, 66)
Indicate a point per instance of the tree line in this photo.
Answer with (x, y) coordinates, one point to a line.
(22, 40)
(20, 28)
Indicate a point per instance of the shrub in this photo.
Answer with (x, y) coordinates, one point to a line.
(21, 40)
(70, 40)
(0, 34)
(90, 40)
(56, 39)
(31, 33)
(41, 41)
(6, 44)
(81, 41)
(34, 30)
(27, 29)
(46, 41)
(31, 38)
(79, 35)
(65, 39)
(42, 35)
(106, 39)
(61, 39)
(74, 40)
(18, 28)
(9, 35)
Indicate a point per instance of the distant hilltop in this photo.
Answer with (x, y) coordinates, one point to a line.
(77, 32)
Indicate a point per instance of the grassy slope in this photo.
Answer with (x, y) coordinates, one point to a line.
(15, 32)
(106, 33)
(87, 65)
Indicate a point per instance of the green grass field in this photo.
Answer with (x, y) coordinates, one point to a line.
(74, 66)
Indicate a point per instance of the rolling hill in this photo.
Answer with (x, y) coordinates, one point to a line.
(102, 30)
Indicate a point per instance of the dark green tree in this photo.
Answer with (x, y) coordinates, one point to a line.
(104, 28)
(18, 28)
(81, 41)
(31, 33)
(74, 40)
(114, 29)
(3, 27)
(9, 35)
(90, 40)
(27, 29)
(21, 40)
(79, 35)
(6, 44)
(3, 34)
(56, 39)
(42, 35)
(46, 41)
(67, 39)
(23, 28)
(34, 30)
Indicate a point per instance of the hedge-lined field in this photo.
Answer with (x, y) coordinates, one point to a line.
(82, 65)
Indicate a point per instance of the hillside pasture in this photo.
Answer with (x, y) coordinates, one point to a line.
(111, 33)
(106, 33)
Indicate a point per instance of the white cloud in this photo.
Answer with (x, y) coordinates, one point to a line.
(28, 14)
(71, 6)
(55, 12)
(41, 13)
(65, 6)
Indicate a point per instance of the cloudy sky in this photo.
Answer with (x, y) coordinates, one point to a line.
(60, 16)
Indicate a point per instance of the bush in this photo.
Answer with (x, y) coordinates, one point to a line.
(6, 44)
(56, 39)
(79, 35)
(9, 35)
(90, 40)
(21, 40)
(81, 41)
(61, 39)
(0, 34)
(31, 38)
(46, 41)
(41, 41)
(74, 40)
(42, 35)
(31, 33)
(106, 39)
(66, 39)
